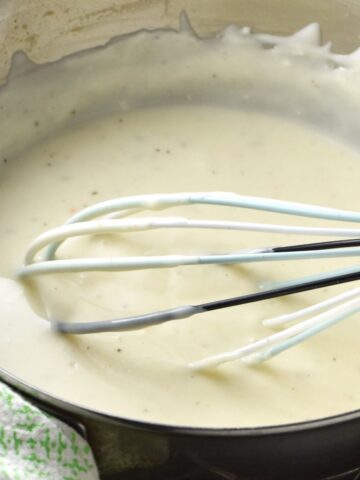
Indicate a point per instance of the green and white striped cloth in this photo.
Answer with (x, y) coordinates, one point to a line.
(36, 446)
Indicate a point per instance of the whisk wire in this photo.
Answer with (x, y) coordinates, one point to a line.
(228, 199)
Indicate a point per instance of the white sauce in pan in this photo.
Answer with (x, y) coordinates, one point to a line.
(166, 112)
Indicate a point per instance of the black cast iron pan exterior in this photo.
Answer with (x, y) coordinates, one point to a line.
(132, 450)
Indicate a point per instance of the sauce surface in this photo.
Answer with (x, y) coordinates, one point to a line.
(166, 112)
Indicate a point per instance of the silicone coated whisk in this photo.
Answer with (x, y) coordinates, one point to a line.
(112, 216)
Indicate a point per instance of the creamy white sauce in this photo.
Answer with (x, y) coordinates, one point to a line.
(166, 112)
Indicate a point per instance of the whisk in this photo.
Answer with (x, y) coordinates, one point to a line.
(112, 216)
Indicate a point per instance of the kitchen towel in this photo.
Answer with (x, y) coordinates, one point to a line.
(36, 446)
